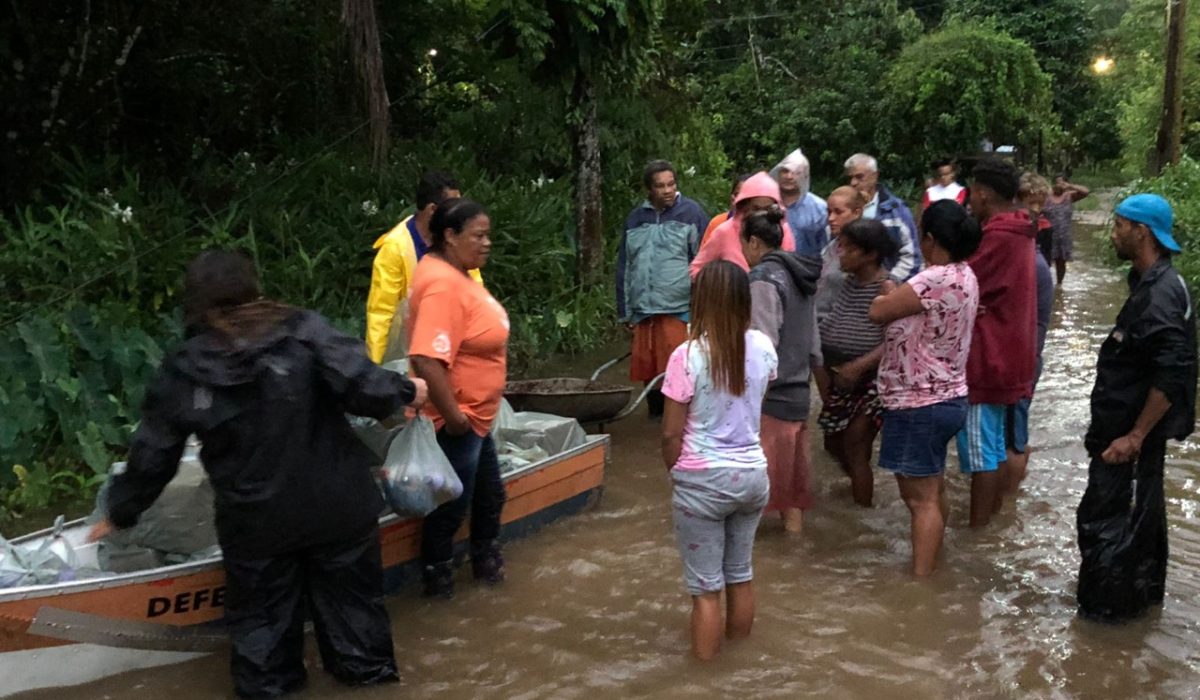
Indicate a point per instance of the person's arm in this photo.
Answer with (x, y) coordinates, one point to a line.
(699, 226)
(900, 303)
(388, 284)
(441, 393)
(847, 375)
(1077, 192)
(673, 419)
(622, 256)
(907, 262)
(364, 388)
(1125, 449)
(816, 358)
(766, 310)
(154, 454)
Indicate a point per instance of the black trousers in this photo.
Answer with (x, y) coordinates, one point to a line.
(474, 460)
(266, 601)
(1122, 525)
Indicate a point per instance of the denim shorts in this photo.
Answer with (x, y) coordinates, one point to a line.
(982, 445)
(716, 514)
(914, 440)
(1016, 426)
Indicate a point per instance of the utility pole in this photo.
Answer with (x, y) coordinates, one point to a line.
(1166, 148)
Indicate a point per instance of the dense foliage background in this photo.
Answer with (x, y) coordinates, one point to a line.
(138, 132)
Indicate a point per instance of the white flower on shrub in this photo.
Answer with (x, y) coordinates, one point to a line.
(691, 170)
(125, 214)
(370, 208)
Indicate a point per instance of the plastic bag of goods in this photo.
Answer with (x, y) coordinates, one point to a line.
(416, 476)
(554, 434)
(181, 521)
(51, 561)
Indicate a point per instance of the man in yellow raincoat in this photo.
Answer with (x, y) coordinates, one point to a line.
(396, 261)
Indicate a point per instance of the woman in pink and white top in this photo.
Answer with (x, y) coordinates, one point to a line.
(922, 377)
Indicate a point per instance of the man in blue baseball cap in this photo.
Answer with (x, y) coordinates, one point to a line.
(1145, 394)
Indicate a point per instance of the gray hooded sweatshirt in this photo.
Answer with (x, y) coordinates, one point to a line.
(782, 286)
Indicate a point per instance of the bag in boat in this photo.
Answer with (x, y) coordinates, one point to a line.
(52, 561)
(416, 476)
(551, 434)
(180, 523)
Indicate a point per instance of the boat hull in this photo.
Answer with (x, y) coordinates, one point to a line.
(190, 597)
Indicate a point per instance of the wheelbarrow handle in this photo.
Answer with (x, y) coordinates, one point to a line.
(607, 365)
(650, 386)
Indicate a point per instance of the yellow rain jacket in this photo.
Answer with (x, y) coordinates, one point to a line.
(391, 280)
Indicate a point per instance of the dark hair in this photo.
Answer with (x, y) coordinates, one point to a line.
(940, 163)
(952, 228)
(872, 236)
(217, 279)
(221, 294)
(721, 316)
(653, 168)
(431, 188)
(998, 175)
(741, 180)
(766, 226)
(451, 214)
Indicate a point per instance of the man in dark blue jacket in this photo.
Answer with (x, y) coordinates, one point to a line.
(1145, 394)
(862, 171)
(661, 237)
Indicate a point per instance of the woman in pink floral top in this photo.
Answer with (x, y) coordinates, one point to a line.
(923, 374)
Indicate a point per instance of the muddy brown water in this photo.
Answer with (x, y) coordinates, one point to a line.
(594, 605)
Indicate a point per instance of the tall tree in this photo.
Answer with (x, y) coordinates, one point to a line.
(586, 49)
(363, 31)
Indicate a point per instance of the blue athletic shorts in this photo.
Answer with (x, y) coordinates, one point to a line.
(981, 443)
(1016, 426)
(914, 440)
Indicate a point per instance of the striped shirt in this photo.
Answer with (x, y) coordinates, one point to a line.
(847, 333)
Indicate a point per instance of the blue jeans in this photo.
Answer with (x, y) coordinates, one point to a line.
(474, 460)
(915, 439)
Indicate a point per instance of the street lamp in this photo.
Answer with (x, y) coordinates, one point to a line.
(1103, 65)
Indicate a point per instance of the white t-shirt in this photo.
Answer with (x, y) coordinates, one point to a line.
(721, 429)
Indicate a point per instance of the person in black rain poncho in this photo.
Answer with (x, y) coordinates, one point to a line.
(266, 388)
(1145, 394)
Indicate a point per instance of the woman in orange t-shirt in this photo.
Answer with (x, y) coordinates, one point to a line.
(459, 343)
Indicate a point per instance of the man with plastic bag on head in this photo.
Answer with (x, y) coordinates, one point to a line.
(266, 388)
(1145, 394)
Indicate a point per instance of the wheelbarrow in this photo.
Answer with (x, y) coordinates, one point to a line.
(586, 400)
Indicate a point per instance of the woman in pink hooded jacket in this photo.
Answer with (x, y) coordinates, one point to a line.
(758, 193)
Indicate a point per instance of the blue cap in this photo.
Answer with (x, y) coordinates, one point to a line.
(1155, 213)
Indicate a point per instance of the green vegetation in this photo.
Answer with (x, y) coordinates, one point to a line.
(1180, 185)
(143, 131)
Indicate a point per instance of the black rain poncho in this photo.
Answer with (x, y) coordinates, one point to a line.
(1121, 520)
(286, 468)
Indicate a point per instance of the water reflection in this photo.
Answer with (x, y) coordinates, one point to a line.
(594, 605)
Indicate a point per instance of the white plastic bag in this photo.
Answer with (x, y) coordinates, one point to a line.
(416, 476)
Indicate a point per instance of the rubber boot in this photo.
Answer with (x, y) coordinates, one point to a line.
(487, 564)
(439, 579)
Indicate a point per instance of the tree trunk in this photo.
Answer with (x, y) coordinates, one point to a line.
(589, 225)
(1167, 146)
(363, 32)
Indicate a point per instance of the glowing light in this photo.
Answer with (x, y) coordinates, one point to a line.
(1102, 65)
(432, 53)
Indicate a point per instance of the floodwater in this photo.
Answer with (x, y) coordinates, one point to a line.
(594, 605)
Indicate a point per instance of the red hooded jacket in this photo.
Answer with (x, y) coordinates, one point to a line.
(1003, 359)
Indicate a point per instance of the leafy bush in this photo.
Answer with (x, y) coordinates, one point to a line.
(1180, 185)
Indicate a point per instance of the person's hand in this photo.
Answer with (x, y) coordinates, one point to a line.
(846, 376)
(888, 286)
(458, 425)
(1123, 450)
(421, 395)
(100, 530)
